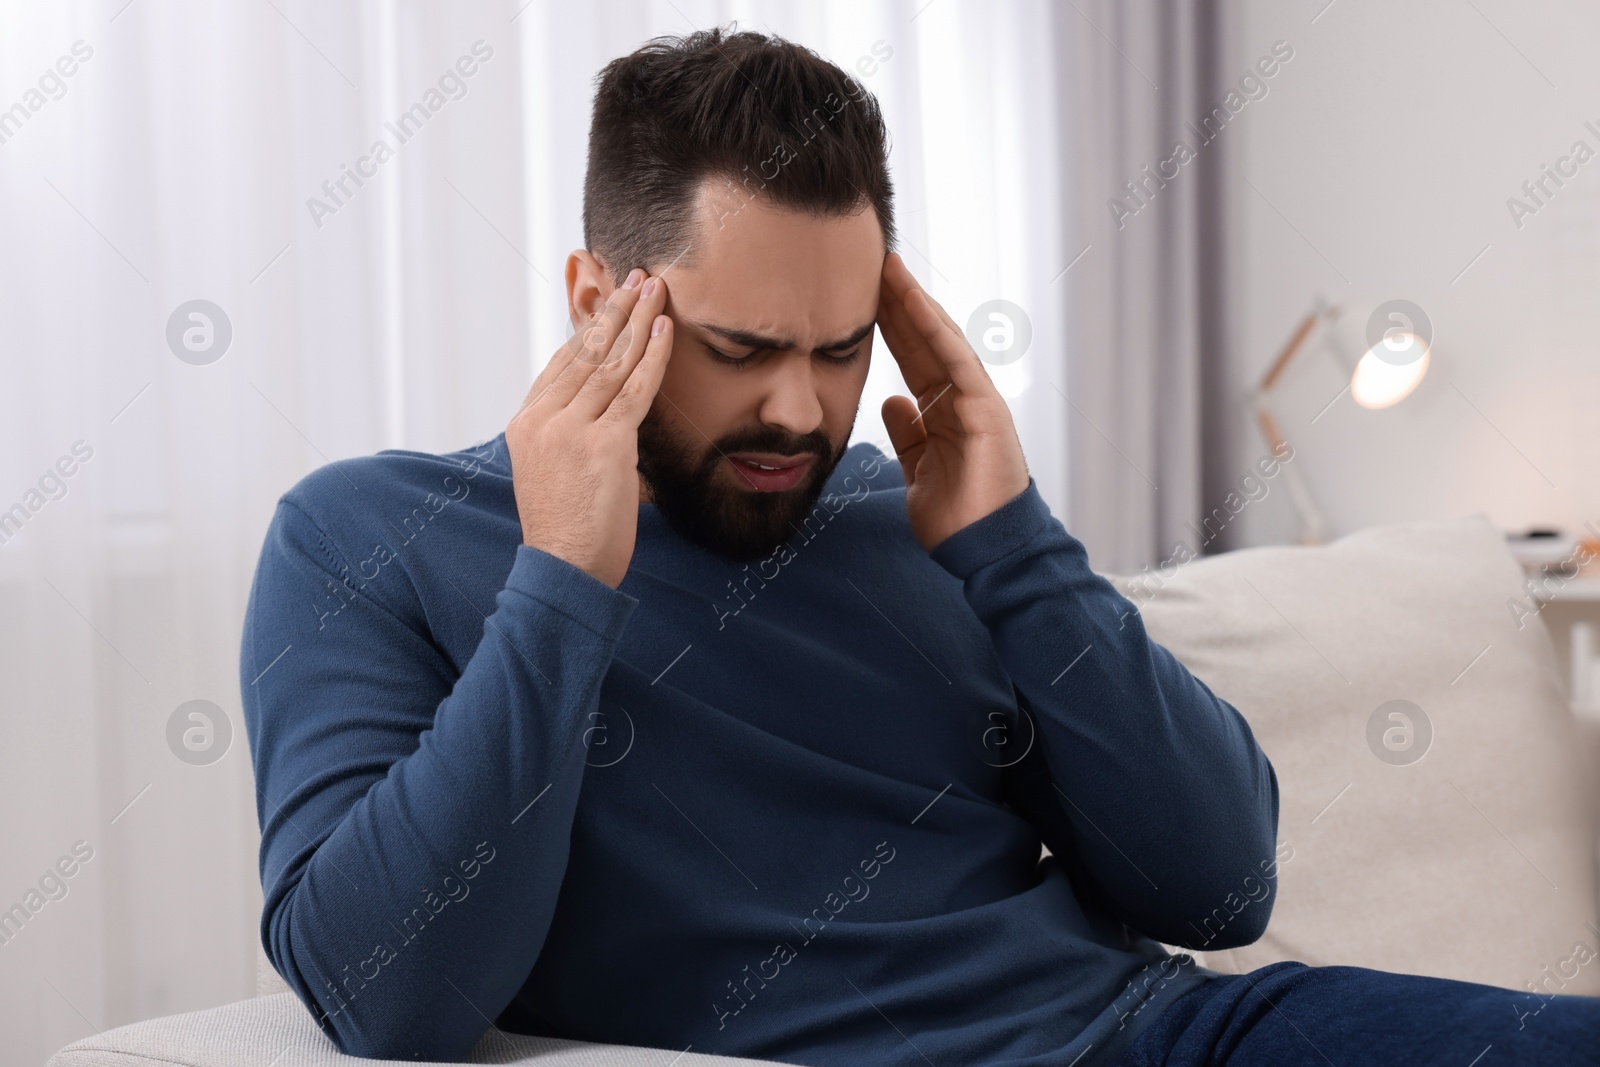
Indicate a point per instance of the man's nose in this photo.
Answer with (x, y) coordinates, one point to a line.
(791, 401)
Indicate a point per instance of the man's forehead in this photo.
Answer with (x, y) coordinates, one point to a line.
(735, 227)
(762, 268)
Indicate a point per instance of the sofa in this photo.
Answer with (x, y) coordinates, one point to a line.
(1439, 808)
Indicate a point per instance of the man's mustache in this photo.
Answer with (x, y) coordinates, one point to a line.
(783, 446)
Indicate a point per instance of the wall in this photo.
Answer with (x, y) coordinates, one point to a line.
(1379, 166)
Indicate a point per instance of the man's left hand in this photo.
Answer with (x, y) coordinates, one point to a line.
(957, 444)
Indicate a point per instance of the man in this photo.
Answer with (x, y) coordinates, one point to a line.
(665, 719)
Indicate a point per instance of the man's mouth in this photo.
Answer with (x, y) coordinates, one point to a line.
(769, 472)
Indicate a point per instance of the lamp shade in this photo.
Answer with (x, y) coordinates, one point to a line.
(1390, 370)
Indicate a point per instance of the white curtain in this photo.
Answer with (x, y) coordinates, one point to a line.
(1152, 403)
(177, 162)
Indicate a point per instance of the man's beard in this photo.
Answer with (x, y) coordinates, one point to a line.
(738, 524)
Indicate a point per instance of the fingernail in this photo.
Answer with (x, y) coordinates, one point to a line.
(657, 326)
(649, 288)
(635, 276)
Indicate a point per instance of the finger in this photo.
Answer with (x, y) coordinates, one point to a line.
(626, 351)
(919, 367)
(904, 287)
(896, 274)
(598, 343)
(587, 350)
(943, 314)
(897, 277)
(633, 399)
(594, 345)
(948, 344)
(904, 284)
(906, 432)
(928, 375)
(557, 361)
(590, 336)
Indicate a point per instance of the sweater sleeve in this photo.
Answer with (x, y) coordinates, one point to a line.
(1169, 803)
(414, 823)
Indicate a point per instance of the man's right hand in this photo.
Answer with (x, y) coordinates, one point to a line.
(574, 443)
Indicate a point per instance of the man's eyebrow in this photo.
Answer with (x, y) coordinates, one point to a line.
(750, 339)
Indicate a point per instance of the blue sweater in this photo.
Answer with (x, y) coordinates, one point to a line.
(791, 810)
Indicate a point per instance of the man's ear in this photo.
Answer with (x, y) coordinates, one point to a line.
(589, 285)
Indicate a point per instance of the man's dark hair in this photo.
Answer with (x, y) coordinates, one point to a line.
(770, 118)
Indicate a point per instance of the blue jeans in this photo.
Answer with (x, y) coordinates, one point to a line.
(1288, 1014)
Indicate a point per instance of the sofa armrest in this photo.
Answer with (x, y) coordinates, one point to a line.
(278, 1031)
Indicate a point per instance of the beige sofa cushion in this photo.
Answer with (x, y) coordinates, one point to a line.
(268, 980)
(277, 1031)
(1475, 861)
